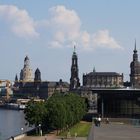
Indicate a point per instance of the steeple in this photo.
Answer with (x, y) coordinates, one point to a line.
(26, 58)
(74, 48)
(135, 55)
(37, 76)
(74, 80)
(16, 78)
(135, 48)
(135, 69)
(74, 58)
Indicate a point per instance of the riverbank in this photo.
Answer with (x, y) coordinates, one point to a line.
(12, 123)
(79, 131)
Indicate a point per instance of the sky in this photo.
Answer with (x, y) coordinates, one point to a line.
(103, 32)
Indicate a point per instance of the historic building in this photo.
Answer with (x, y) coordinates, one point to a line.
(26, 72)
(103, 79)
(28, 86)
(107, 94)
(135, 70)
(74, 80)
(104, 90)
(99, 81)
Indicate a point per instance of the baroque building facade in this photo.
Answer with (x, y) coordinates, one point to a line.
(135, 70)
(103, 80)
(28, 86)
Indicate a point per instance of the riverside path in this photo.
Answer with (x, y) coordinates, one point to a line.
(114, 131)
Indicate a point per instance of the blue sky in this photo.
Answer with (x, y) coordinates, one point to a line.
(104, 33)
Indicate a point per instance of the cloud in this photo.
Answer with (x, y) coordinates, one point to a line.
(65, 27)
(19, 21)
(62, 27)
(103, 39)
(85, 40)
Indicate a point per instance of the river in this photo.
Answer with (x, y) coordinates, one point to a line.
(12, 123)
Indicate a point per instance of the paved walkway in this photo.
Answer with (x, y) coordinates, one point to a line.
(49, 137)
(112, 131)
(116, 131)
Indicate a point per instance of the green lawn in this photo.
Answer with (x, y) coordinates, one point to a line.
(82, 130)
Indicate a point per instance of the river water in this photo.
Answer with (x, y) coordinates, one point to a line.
(12, 123)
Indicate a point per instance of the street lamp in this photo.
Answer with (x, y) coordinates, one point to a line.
(40, 131)
(22, 129)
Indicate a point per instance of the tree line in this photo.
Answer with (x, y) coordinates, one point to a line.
(59, 112)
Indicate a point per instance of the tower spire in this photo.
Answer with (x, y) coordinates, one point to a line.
(74, 48)
(16, 78)
(135, 49)
(74, 80)
(135, 69)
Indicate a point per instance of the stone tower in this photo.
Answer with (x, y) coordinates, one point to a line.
(37, 76)
(26, 72)
(135, 70)
(74, 80)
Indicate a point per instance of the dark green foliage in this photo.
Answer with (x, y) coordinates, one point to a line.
(60, 111)
(35, 112)
(56, 113)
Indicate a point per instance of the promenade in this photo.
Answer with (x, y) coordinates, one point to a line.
(49, 137)
(112, 131)
(116, 131)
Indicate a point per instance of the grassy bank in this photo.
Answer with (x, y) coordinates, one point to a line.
(82, 130)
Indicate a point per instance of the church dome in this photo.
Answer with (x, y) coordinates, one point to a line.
(135, 64)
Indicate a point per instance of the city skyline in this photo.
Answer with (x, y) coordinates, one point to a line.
(104, 34)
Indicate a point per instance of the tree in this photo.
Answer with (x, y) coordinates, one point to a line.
(59, 112)
(56, 113)
(35, 113)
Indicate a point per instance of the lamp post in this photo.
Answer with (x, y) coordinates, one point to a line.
(22, 130)
(40, 130)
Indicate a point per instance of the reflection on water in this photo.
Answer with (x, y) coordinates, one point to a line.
(12, 123)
